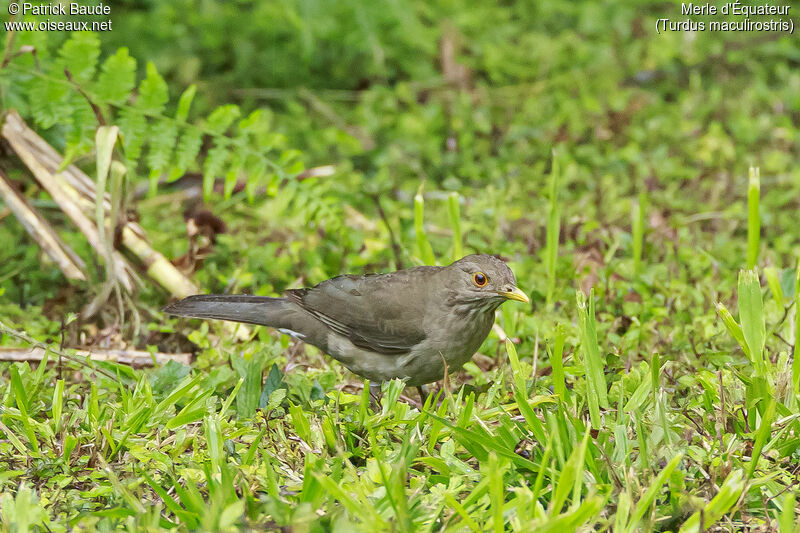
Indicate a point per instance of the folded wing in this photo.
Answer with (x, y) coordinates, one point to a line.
(383, 313)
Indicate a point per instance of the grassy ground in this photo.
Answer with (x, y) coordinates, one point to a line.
(651, 386)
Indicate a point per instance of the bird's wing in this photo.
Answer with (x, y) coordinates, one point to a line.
(383, 313)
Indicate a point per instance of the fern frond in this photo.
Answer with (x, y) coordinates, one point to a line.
(215, 162)
(185, 154)
(255, 168)
(185, 102)
(133, 130)
(172, 144)
(81, 128)
(153, 92)
(117, 78)
(162, 141)
(79, 54)
(237, 156)
(221, 118)
(52, 102)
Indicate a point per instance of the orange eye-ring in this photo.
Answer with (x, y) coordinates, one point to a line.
(480, 279)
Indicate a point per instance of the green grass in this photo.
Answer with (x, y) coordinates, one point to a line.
(652, 384)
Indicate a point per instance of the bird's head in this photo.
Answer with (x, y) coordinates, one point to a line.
(485, 280)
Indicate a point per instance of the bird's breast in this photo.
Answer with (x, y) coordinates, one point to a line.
(458, 336)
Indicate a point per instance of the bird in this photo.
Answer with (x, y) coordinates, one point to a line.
(413, 324)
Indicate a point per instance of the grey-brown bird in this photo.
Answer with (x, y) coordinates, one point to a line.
(404, 324)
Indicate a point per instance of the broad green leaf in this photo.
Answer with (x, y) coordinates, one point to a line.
(751, 315)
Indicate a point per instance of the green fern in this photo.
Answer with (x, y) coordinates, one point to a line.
(216, 160)
(256, 169)
(185, 102)
(133, 128)
(222, 117)
(117, 78)
(186, 152)
(79, 55)
(53, 102)
(153, 92)
(162, 143)
(59, 95)
(81, 130)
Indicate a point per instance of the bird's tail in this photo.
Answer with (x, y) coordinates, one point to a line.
(261, 310)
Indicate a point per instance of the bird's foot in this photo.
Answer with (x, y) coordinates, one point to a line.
(375, 395)
(423, 394)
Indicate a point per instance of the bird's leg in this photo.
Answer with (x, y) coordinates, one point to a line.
(423, 394)
(375, 394)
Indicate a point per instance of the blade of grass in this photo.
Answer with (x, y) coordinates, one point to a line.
(652, 491)
(720, 504)
(774, 284)
(22, 404)
(170, 503)
(537, 484)
(753, 217)
(557, 362)
(637, 225)
(301, 425)
(641, 436)
(534, 425)
(762, 434)
(453, 209)
(458, 508)
(190, 496)
(121, 490)
(796, 356)
(229, 400)
(580, 462)
(191, 412)
(595, 378)
(655, 376)
(570, 477)
(13, 439)
(516, 370)
(105, 140)
(639, 397)
(733, 327)
(786, 520)
(484, 440)
(364, 403)
(58, 405)
(354, 507)
(38, 376)
(496, 492)
(751, 315)
(214, 440)
(181, 390)
(623, 511)
(572, 520)
(553, 230)
(424, 250)
(253, 448)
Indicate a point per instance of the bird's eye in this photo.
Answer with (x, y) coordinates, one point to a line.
(480, 279)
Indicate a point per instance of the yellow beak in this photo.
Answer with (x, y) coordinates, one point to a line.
(515, 294)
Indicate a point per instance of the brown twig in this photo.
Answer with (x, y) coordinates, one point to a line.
(67, 260)
(21, 335)
(395, 247)
(16, 133)
(74, 191)
(7, 56)
(134, 358)
(98, 114)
